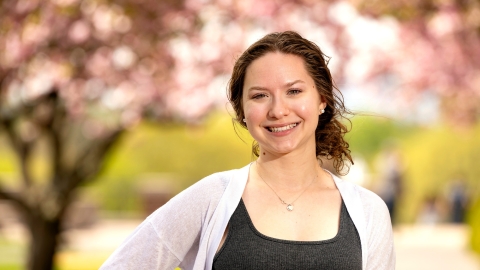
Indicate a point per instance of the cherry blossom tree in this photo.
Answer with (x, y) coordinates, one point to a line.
(74, 74)
(435, 50)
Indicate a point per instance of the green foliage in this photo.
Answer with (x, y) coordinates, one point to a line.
(8, 163)
(181, 154)
(11, 267)
(184, 154)
(369, 134)
(474, 222)
(434, 158)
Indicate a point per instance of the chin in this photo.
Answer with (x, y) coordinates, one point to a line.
(280, 150)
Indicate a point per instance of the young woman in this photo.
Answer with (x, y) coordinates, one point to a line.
(282, 211)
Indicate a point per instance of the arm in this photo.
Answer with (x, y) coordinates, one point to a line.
(170, 236)
(381, 252)
(143, 249)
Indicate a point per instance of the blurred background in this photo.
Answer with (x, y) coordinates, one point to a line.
(109, 108)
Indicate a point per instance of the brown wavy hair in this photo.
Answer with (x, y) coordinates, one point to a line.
(329, 135)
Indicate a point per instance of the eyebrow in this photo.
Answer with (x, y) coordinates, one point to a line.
(263, 88)
(294, 82)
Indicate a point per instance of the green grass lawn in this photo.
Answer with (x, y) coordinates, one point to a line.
(80, 260)
(12, 257)
(11, 254)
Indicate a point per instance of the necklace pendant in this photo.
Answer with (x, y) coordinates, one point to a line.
(290, 207)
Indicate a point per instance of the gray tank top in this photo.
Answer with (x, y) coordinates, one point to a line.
(247, 248)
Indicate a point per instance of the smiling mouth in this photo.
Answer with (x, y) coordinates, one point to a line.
(280, 129)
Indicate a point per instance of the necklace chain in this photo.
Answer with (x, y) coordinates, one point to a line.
(289, 205)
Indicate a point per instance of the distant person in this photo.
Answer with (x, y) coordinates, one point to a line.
(282, 211)
(430, 211)
(458, 200)
(392, 178)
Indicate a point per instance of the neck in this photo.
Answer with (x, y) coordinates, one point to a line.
(289, 172)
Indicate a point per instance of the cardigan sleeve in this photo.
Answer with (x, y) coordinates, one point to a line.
(170, 236)
(381, 253)
(143, 249)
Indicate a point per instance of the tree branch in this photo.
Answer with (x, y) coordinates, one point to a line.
(53, 127)
(14, 199)
(21, 148)
(88, 164)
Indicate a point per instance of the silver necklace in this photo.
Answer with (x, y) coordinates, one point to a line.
(289, 205)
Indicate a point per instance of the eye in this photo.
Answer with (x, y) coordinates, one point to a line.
(259, 96)
(294, 91)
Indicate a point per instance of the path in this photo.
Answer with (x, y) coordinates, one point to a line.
(441, 247)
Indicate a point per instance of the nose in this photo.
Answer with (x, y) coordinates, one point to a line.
(278, 108)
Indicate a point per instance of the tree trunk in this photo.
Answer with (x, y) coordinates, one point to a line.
(44, 240)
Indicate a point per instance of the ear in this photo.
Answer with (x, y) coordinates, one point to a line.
(322, 105)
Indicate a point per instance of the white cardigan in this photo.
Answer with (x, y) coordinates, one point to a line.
(187, 230)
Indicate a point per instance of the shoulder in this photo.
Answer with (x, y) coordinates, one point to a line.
(366, 208)
(199, 197)
(372, 219)
(210, 187)
(171, 235)
(379, 233)
(370, 202)
(178, 224)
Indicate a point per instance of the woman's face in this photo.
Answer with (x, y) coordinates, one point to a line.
(281, 104)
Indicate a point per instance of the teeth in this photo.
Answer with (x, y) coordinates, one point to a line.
(279, 129)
